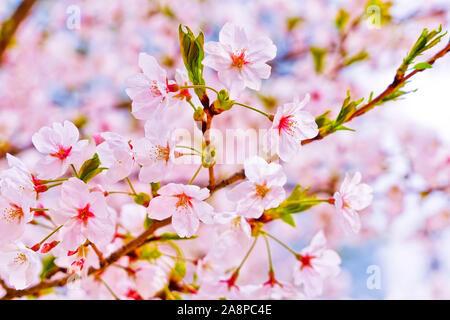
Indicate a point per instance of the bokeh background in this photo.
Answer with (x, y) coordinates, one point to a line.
(59, 67)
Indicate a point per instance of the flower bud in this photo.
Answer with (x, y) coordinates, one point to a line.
(49, 246)
(208, 157)
(36, 247)
(222, 103)
(199, 114)
(142, 199)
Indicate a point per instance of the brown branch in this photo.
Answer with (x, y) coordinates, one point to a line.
(115, 256)
(97, 252)
(396, 84)
(10, 26)
(240, 175)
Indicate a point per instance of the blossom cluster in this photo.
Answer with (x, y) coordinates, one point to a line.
(77, 173)
(102, 198)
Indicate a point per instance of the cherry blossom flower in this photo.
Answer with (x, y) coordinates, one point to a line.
(184, 203)
(290, 127)
(116, 153)
(315, 264)
(132, 218)
(263, 190)
(17, 183)
(234, 223)
(156, 152)
(84, 216)
(13, 217)
(150, 91)
(19, 266)
(241, 61)
(61, 146)
(352, 197)
(150, 279)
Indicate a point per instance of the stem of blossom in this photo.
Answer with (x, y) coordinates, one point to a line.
(54, 185)
(269, 255)
(246, 255)
(199, 86)
(270, 117)
(280, 242)
(49, 235)
(75, 171)
(193, 261)
(189, 154)
(192, 105)
(108, 288)
(314, 201)
(190, 148)
(196, 173)
(35, 223)
(120, 192)
(38, 209)
(131, 186)
(54, 180)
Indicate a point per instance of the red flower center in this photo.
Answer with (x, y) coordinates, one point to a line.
(62, 153)
(285, 124)
(305, 260)
(184, 201)
(238, 60)
(84, 214)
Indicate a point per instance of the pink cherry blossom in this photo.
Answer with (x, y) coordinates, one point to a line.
(263, 190)
(116, 154)
(61, 146)
(19, 266)
(352, 197)
(132, 217)
(241, 61)
(17, 182)
(290, 127)
(13, 217)
(184, 203)
(84, 216)
(150, 91)
(315, 264)
(150, 279)
(156, 152)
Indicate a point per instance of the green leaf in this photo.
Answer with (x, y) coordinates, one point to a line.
(323, 120)
(193, 54)
(288, 219)
(297, 202)
(90, 168)
(425, 41)
(319, 55)
(394, 96)
(341, 19)
(48, 264)
(347, 110)
(362, 55)
(422, 65)
(292, 22)
(378, 12)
